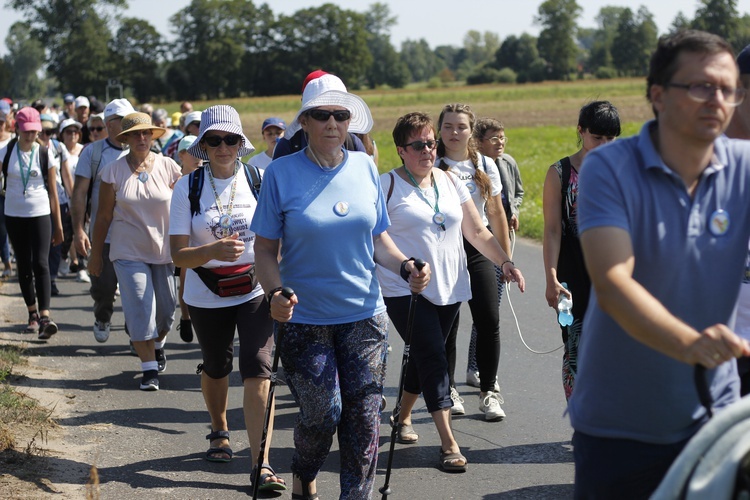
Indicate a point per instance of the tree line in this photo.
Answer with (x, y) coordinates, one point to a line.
(234, 48)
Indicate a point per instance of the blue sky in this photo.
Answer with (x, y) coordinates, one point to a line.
(440, 22)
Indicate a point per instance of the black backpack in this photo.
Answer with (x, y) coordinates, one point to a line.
(43, 162)
(195, 181)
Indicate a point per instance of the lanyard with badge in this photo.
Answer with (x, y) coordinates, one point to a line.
(26, 169)
(225, 219)
(439, 217)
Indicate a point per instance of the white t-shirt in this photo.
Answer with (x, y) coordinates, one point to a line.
(203, 228)
(60, 156)
(261, 160)
(36, 201)
(416, 235)
(464, 170)
(140, 220)
(110, 153)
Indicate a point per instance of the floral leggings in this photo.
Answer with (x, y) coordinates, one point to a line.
(336, 375)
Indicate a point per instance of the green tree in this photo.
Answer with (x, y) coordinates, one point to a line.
(327, 37)
(719, 17)
(387, 66)
(634, 42)
(25, 58)
(518, 54)
(679, 23)
(600, 54)
(140, 49)
(76, 35)
(742, 36)
(556, 41)
(422, 62)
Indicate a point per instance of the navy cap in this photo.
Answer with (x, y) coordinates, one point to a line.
(743, 61)
(273, 122)
(69, 98)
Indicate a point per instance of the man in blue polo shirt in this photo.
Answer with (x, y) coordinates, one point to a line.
(664, 227)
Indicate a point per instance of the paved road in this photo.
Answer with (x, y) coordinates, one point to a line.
(151, 444)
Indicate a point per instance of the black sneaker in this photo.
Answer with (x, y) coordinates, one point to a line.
(150, 381)
(47, 328)
(186, 330)
(161, 360)
(54, 291)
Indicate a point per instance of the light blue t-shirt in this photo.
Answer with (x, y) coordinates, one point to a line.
(326, 221)
(686, 258)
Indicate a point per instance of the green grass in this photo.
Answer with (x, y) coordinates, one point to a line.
(10, 356)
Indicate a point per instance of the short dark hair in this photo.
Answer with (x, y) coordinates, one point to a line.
(408, 124)
(663, 63)
(484, 125)
(600, 118)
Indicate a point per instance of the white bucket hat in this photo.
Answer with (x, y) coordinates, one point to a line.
(226, 119)
(69, 122)
(329, 90)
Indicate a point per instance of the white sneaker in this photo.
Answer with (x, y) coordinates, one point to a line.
(64, 269)
(458, 403)
(117, 290)
(101, 331)
(472, 378)
(83, 276)
(490, 406)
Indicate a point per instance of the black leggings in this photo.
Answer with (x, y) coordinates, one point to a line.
(484, 305)
(31, 238)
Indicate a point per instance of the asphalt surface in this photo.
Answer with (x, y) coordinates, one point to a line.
(152, 444)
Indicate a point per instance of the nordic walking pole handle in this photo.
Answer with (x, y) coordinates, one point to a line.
(288, 293)
(704, 393)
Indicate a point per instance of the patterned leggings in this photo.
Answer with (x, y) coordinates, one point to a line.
(336, 375)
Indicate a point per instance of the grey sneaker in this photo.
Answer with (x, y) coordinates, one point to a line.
(490, 406)
(101, 331)
(472, 378)
(458, 403)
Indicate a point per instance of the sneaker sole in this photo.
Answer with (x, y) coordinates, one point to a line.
(149, 388)
(459, 411)
(48, 332)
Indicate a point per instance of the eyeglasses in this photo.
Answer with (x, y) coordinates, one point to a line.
(214, 141)
(704, 92)
(340, 115)
(495, 140)
(48, 131)
(96, 129)
(420, 145)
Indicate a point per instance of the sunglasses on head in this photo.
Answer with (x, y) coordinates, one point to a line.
(322, 115)
(214, 141)
(96, 129)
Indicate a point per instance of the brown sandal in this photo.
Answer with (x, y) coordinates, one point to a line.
(405, 434)
(447, 462)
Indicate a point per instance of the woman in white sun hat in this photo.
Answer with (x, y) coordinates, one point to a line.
(134, 199)
(209, 237)
(326, 205)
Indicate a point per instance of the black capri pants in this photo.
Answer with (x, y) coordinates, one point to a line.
(215, 331)
(31, 238)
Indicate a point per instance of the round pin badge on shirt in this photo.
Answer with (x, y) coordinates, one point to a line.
(225, 221)
(471, 187)
(143, 176)
(718, 224)
(341, 208)
(34, 173)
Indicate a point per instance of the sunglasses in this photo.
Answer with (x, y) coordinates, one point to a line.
(48, 131)
(418, 146)
(322, 115)
(96, 129)
(214, 141)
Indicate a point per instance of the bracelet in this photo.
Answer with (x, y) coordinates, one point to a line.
(273, 292)
(507, 262)
(404, 273)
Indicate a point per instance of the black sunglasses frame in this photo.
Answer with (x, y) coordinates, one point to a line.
(419, 146)
(322, 115)
(214, 141)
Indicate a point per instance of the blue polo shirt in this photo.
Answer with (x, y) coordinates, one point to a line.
(625, 389)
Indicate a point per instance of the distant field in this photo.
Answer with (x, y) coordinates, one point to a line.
(540, 121)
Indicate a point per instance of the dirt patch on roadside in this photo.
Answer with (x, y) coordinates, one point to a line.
(43, 462)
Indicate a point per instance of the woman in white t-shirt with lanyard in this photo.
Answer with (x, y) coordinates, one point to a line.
(458, 154)
(28, 206)
(217, 240)
(431, 211)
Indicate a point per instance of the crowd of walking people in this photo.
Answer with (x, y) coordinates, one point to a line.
(137, 201)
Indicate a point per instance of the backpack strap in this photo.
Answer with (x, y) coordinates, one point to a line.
(564, 185)
(6, 161)
(44, 164)
(253, 178)
(390, 188)
(349, 143)
(96, 159)
(195, 181)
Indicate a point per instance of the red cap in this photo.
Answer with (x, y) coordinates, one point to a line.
(312, 76)
(8, 100)
(28, 119)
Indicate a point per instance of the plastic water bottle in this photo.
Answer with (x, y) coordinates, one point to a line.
(564, 308)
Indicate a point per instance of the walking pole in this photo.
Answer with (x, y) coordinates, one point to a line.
(386, 489)
(286, 292)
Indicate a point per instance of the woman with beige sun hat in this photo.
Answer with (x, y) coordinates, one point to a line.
(134, 199)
